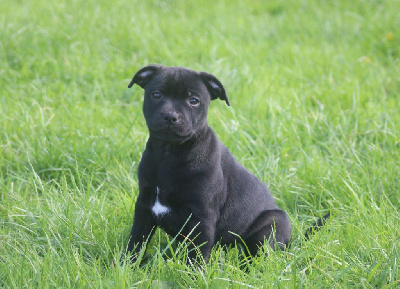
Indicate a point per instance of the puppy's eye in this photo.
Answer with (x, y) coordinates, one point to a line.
(194, 101)
(156, 95)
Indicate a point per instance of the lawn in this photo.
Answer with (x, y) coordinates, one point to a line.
(314, 88)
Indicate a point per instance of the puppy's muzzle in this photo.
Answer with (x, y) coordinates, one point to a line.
(170, 117)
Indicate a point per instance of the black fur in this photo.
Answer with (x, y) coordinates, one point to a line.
(194, 173)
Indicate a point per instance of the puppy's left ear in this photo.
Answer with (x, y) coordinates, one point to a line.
(144, 75)
(215, 87)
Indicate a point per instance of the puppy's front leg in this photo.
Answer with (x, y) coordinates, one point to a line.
(201, 237)
(143, 226)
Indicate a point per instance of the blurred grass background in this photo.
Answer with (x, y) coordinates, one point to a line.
(314, 88)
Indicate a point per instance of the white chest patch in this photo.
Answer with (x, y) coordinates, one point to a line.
(158, 208)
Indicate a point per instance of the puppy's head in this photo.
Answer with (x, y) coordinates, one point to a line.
(176, 100)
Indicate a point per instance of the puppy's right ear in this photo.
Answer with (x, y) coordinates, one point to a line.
(215, 87)
(144, 75)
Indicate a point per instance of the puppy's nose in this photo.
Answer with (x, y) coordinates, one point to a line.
(170, 117)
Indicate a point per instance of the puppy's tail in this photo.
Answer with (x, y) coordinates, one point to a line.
(316, 226)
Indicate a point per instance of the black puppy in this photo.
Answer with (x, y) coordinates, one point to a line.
(189, 183)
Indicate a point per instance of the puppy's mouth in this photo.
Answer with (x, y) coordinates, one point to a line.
(169, 134)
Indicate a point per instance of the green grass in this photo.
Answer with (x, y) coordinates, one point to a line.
(315, 94)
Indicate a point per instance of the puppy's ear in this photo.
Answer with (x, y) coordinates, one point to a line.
(214, 87)
(144, 75)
